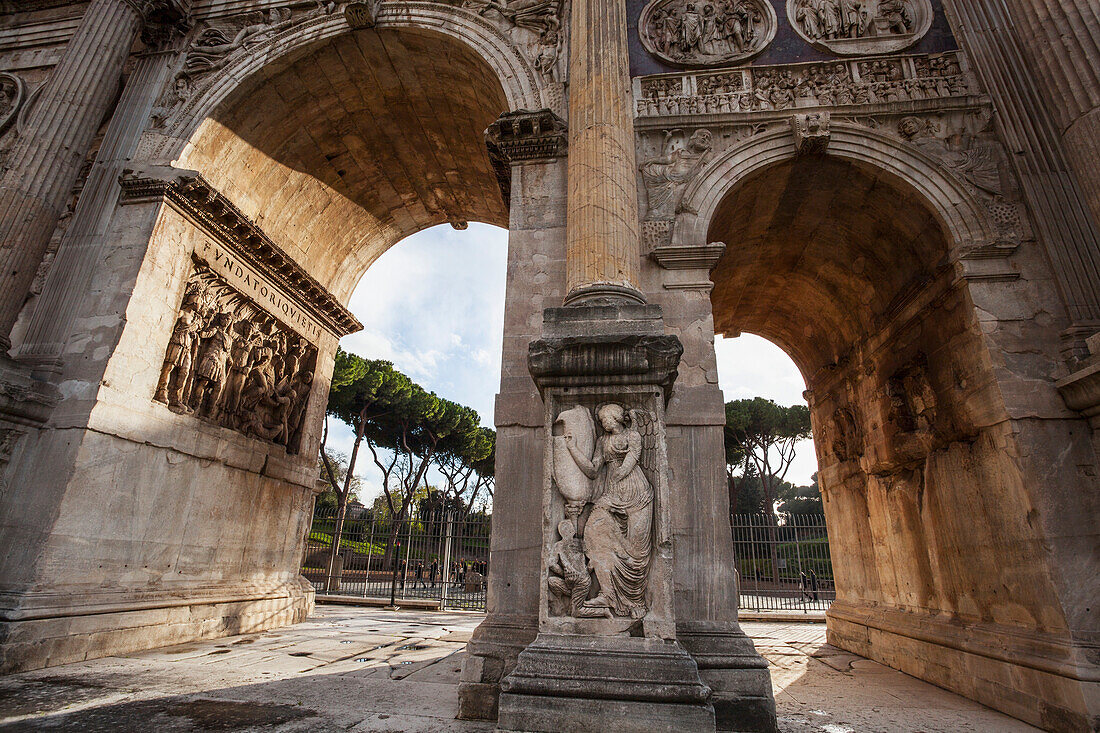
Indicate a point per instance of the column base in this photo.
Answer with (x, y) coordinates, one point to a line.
(613, 684)
(736, 673)
(491, 655)
(87, 628)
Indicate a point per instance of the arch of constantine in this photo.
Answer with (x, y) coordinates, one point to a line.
(902, 194)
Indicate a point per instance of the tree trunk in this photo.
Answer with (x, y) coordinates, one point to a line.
(342, 500)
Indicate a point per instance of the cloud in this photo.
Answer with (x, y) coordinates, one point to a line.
(434, 306)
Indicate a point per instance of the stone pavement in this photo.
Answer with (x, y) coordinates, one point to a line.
(367, 669)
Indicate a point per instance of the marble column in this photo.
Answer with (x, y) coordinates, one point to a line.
(602, 237)
(81, 248)
(1062, 41)
(1038, 60)
(47, 157)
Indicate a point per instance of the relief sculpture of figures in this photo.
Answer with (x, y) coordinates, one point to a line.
(666, 176)
(858, 27)
(616, 543)
(706, 33)
(230, 363)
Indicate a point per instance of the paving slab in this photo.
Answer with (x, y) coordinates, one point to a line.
(368, 669)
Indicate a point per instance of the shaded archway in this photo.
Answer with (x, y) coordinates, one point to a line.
(364, 139)
(850, 269)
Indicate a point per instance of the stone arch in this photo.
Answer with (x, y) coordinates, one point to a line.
(211, 134)
(523, 86)
(964, 220)
(849, 261)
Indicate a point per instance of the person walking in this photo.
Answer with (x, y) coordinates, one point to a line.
(419, 575)
(433, 571)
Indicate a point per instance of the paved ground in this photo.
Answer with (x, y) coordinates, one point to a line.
(365, 669)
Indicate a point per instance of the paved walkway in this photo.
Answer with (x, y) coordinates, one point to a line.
(365, 669)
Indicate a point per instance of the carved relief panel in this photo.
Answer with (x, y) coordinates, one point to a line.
(232, 363)
(858, 27)
(707, 33)
(607, 547)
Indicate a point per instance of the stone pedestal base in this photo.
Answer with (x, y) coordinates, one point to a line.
(613, 684)
(85, 628)
(736, 673)
(1040, 678)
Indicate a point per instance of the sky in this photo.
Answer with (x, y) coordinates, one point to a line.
(434, 306)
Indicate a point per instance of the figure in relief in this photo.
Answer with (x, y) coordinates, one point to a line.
(177, 362)
(618, 536)
(706, 33)
(229, 362)
(569, 577)
(666, 176)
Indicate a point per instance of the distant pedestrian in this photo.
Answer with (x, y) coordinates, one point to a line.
(420, 575)
(813, 583)
(803, 586)
(433, 571)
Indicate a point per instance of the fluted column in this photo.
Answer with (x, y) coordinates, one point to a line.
(81, 246)
(1062, 38)
(47, 157)
(1014, 71)
(602, 238)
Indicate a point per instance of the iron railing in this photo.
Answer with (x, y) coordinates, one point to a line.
(439, 558)
(783, 563)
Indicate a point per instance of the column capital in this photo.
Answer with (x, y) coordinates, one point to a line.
(528, 136)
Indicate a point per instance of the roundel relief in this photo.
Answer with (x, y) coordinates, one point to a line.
(706, 32)
(855, 27)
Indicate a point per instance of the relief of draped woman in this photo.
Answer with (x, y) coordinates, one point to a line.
(618, 537)
(666, 176)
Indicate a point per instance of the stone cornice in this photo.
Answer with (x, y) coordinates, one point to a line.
(688, 256)
(193, 196)
(526, 136)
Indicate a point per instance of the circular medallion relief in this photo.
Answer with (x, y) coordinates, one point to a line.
(856, 27)
(706, 32)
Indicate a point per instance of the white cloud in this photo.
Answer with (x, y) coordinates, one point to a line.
(434, 306)
(751, 366)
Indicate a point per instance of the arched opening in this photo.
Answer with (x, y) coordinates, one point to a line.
(847, 268)
(362, 140)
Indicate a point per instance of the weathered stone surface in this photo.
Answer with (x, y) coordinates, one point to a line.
(927, 256)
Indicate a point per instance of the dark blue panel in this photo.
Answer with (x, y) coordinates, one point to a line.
(787, 47)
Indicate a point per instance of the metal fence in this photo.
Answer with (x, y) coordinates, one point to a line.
(783, 564)
(439, 558)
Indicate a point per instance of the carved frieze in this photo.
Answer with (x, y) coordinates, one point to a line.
(824, 84)
(860, 27)
(690, 33)
(239, 237)
(231, 362)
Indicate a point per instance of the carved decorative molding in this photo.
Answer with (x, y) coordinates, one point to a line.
(13, 93)
(231, 362)
(811, 133)
(840, 83)
(193, 196)
(691, 33)
(688, 257)
(860, 27)
(526, 136)
(361, 14)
